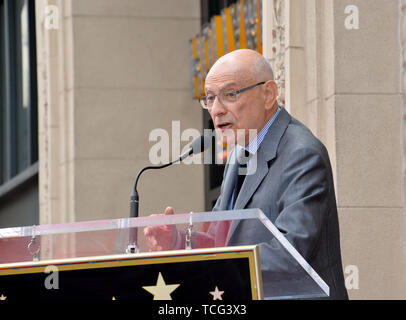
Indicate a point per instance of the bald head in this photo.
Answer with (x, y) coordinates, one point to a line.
(245, 64)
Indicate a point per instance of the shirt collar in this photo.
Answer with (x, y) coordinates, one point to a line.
(254, 145)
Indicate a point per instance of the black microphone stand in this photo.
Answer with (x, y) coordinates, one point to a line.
(134, 201)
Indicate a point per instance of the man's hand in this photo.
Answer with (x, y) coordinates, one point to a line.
(159, 237)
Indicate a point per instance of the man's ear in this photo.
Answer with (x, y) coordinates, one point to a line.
(271, 94)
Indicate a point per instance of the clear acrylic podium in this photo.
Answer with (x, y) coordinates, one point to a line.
(157, 236)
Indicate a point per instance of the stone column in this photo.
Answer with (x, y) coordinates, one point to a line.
(367, 100)
(55, 110)
(343, 81)
(403, 84)
(283, 38)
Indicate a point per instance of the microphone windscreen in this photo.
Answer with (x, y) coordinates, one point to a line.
(201, 144)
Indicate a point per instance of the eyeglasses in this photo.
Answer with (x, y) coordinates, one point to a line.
(225, 97)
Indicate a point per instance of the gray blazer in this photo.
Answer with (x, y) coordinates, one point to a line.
(293, 186)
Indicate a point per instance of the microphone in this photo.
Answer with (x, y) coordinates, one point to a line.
(197, 146)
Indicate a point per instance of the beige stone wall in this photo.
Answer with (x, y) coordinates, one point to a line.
(112, 72)
(369, 162)
(353, 103)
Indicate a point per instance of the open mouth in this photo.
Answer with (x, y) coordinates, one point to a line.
(224, 125)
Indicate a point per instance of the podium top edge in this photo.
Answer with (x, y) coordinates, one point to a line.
(125, 223)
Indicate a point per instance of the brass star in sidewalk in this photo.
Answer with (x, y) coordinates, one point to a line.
(217, 295)
(161, 291)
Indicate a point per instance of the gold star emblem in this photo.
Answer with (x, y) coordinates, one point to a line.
(3, 297)
(217, 295)
(161, 291)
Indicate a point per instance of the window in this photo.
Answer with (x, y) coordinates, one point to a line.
(18, 89)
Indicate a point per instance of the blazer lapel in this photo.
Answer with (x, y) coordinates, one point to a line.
(265, 153)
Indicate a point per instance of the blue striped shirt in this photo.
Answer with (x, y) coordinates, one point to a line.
(253, 147)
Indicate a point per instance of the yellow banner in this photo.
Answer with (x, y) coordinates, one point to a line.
(238, 27)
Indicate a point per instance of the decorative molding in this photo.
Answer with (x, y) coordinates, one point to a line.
(275, 42)
(403, 44)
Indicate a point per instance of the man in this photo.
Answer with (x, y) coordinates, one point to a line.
(292, 183)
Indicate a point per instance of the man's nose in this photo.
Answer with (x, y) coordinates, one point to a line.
(217, 108)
